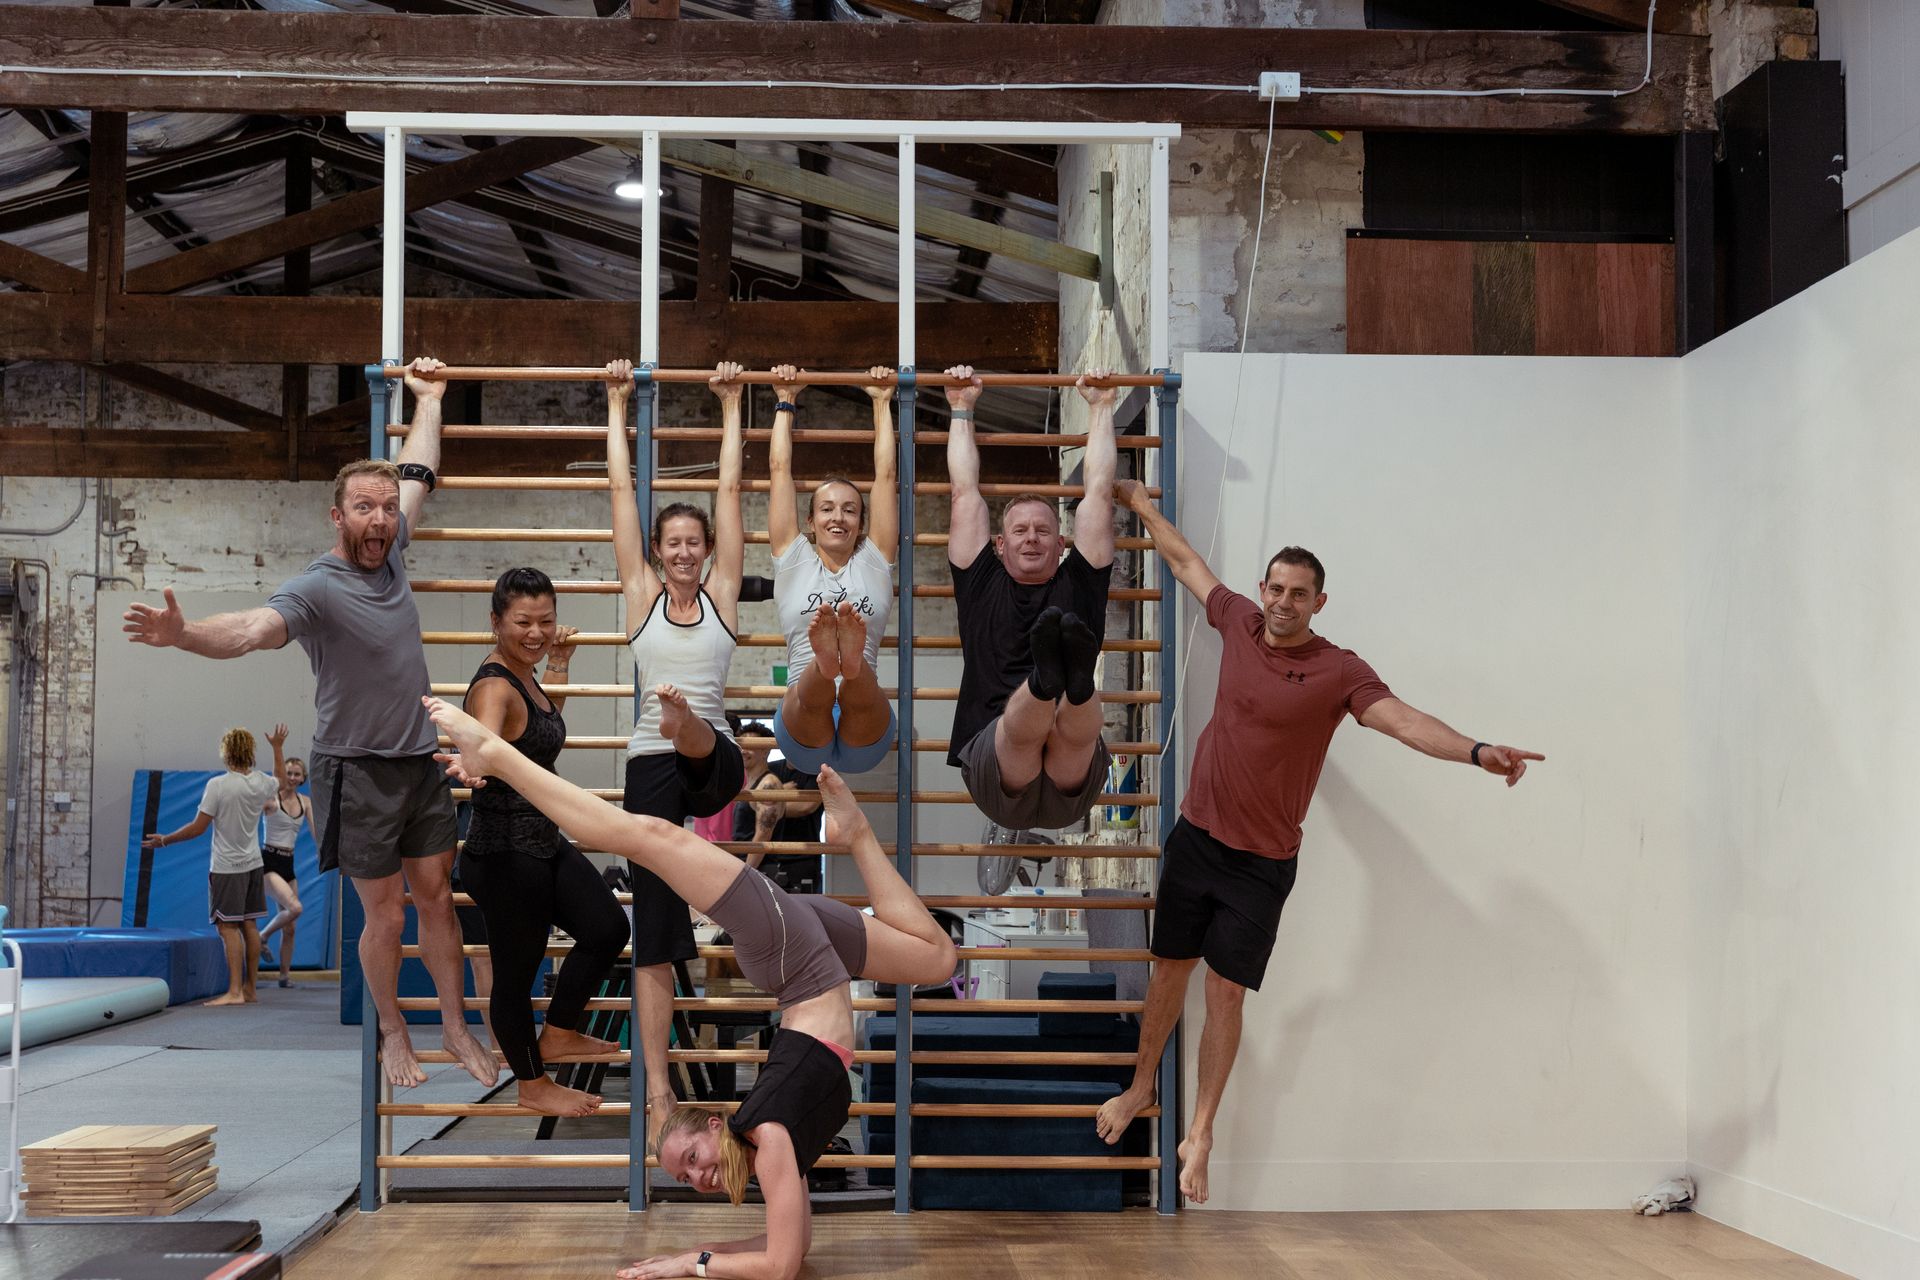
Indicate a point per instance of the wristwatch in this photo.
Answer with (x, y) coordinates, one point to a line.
(700, 1267)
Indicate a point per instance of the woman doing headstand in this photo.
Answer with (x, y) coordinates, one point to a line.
(802, 949)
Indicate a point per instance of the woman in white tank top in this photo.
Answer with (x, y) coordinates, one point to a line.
(285, 815)
(834, 594)
(682, 761)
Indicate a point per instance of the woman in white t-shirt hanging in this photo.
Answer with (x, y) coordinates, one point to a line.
(236, 880)
(834, 594)
(682, 620)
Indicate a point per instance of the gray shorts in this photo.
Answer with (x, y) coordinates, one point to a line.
(370, 812)
(793, 946)
(1041, 805)
(234, 896)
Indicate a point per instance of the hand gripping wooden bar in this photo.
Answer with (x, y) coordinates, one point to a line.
(764, 378)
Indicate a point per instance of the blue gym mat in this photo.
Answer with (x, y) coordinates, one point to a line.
(168, 887)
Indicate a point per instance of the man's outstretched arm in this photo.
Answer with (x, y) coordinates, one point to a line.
(224, 635)
(1430, 736)
(1168, 541)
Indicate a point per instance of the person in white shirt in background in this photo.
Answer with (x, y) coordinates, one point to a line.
(236, 879)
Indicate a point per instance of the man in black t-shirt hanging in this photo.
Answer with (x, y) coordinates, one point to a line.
(1026, 729)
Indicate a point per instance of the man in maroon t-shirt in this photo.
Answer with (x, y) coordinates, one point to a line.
(1228, 863)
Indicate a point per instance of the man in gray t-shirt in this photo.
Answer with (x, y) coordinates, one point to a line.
(381, 809)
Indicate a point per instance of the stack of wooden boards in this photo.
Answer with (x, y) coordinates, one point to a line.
(110, 1170)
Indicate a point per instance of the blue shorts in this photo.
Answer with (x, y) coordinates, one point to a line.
(844, 757)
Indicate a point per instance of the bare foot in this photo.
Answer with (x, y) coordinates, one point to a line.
(1193, 1167)
(471, 1054)
(250, 998)
(673, 710)
(556, 1043)
(396, 1051)
(551, 1099)
(823, 634)
(231, 997)
(659, 1107)
(844, 815)
(853, 640)
(1118, 1112)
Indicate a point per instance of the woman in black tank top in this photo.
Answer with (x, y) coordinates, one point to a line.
(524, 875)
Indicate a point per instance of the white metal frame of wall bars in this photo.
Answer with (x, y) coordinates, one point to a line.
(394, 127)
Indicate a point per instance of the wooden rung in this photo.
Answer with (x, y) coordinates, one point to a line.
(948, 1110)
(1130, 799)
(801, 435)
(759, 640)
(442, 1056)
(752, 742)
(767, 1004)
(595, 1162)
(1014, 1110)
(753, 537)
(802, 848)
(1033, 1162)
(588, 484)
(1066, 955)
(1017, 900)
(764, 378)
(773, 692)
(609, 587)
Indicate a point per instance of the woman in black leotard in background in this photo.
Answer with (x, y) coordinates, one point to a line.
(524, 875)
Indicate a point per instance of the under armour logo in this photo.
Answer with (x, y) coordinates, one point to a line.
(1297, 677)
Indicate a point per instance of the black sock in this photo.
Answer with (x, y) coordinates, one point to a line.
(1079, 650)
(1048, 678)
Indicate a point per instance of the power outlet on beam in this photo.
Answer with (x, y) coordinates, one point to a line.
(1279, 86)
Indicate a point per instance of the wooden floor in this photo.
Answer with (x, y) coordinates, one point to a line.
(536, 1241)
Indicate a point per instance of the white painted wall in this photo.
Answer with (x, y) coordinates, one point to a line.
(1879, 42)
(1475, 1000)
(1801, 631)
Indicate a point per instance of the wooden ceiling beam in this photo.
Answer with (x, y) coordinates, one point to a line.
(357, 212)
(149, 329)
(191, 395)
(1672, 17)
(112, 59)
(37, 271)
(170, 172)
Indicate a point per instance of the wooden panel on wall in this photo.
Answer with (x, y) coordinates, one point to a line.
(1385, 277)
(1420, 295)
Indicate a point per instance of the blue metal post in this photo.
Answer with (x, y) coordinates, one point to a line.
(903, 814)
(1169, 1081)
(378, 389)
(645, 392)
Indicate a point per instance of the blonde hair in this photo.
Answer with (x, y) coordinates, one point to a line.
(365, 467)
(236, 748)
(736, 1158)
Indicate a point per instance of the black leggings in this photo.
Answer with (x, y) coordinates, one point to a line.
(522, 898)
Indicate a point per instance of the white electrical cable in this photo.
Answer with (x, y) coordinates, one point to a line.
(1233, 427)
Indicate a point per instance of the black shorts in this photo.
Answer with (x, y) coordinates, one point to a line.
(1220, 904)
(674, 788)
(277, 862)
